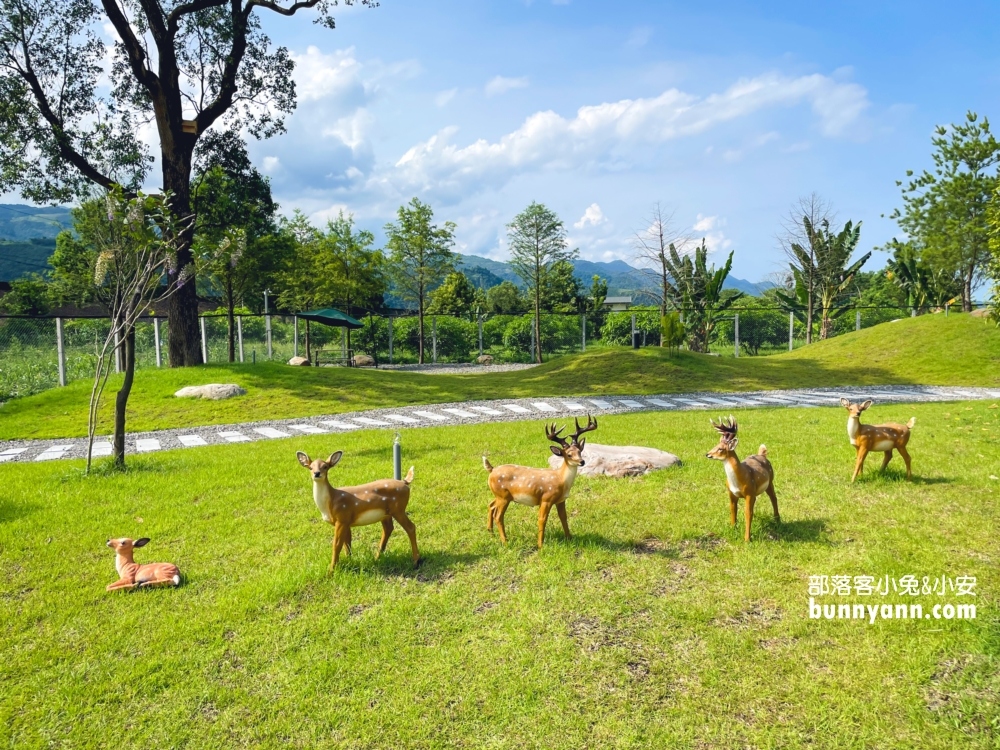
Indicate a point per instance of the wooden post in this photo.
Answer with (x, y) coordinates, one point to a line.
(239, 333)
(156, 342)
(60, 352)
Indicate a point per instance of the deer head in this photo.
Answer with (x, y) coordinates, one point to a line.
(728, 441)
(855, 409)
(319, 467)
(570, 450)
(126, 545)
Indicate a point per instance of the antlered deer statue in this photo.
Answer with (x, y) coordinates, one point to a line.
(538, 488)
(747, 479)
(876, 437)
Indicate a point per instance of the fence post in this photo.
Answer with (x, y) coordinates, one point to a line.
(534, 334)
(946, 306)
(583, 332)
(857, 320)
(434, 339)
(913, 312)
(390, 339)
(60, 352)
(118, 351)
(480, 319)
(295, 336)
(156, 341)
(791, 329)
(239, 334)
(736, 333)
(204, 342)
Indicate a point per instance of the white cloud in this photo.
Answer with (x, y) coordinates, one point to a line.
(271, 164)
(639, 37)
(352, 130)
(319, 75)
(592, 216)
(549, 140)
(501, 85)
(444, 97)
(709, 229)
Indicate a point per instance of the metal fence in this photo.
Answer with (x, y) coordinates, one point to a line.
(37, 353)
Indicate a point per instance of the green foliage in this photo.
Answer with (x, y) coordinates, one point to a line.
(617, 327)
(762, 326)
(672, 331)
(455, 296)
(456, 338)
(561, 292)
(944, 210)
(924, 284)
(506, 299)
(28, 295)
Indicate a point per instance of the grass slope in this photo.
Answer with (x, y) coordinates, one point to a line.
(656, 626)
(958, 350)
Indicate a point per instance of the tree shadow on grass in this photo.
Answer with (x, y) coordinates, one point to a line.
(804, 530)
(434, 566)
(13, 511)
(892, 475)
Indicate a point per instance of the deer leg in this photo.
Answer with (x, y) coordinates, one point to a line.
(338, 543)
(774, 502)
(122, 583)
(543, 518)
(386, 533)
(411, 531)
(732, 507)
(498, 512)
(750, 503)
(859, 465)
(489, 515)
(561, 510)
(886, 459)
(347, 540)
(906, 458)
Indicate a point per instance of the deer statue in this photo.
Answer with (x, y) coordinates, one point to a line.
(747, 479)
(876, 437)
(131, 575)
(382, 501)
(541, 488)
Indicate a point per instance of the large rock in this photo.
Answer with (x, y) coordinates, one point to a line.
(621, 460)
(300, 362)
(363, 360)
(484, 359)
(980, 312)
(212, 391)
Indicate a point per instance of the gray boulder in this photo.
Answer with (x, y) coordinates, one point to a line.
(621, 460)
(299, 362)
(363, 360)
(484, 359)
(212, 391)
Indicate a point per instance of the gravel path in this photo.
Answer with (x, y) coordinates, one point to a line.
(474, 412)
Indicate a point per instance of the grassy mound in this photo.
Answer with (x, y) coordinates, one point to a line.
(957, 350)
(655, 626)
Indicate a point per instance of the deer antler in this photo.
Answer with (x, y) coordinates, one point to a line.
(591, 425)
(553, 434)
(726, 427)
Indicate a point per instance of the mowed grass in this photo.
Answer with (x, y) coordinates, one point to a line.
(933, 349)
(655, 626)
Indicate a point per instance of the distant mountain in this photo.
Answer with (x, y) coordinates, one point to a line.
(23, 222)
(623, 279)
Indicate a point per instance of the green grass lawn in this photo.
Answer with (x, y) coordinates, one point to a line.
(958, 350)
(656, 626)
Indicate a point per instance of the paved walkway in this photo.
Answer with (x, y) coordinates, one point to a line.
(474, 412)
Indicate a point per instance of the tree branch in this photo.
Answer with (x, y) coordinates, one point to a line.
(227, 85)
(173, 20)
(289, 11)
(136, 53)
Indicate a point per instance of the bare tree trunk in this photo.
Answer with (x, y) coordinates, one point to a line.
(232, 329)
(183, 344)
(121, 400)
(967, 291)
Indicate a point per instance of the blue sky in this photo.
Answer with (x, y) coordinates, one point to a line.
(724, 112)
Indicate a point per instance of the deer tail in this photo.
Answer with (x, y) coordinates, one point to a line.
(486, 464)
(762, 451)
(409, 476)
(913, 421)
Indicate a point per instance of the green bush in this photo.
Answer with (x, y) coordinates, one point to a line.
(617, 328)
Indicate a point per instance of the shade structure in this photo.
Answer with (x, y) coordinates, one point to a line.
(330, 317)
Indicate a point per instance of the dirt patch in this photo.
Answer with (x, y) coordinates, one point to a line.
(357, 610)
(591, 635)
(757, 615)
(484, 607)
(678, 574)
(964, 692)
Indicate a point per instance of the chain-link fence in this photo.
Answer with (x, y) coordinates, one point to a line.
(37, 353)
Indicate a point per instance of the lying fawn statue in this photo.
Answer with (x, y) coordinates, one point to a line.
(747, 479)
(131, 575)
(538, 488)
(876, 437)
(380, 501)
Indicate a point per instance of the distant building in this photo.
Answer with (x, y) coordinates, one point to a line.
(618, 303)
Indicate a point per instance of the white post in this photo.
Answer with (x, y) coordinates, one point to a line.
(390, 339)
(913, 312)
(343, 343)
(118, 352)
(295, 336)
(156, 341)
(534, 333)
(791, 330)
(239, 334)
(946, 306)
(60, 352)
(267, 324)
(857, 320)
(736, 333)
(480, 319)
(434, 339)
(583, 332)
(204, 343)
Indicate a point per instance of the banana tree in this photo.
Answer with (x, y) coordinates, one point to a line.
(696, 290)
(924, 286)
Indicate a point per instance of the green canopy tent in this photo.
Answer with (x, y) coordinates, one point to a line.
(328, 317)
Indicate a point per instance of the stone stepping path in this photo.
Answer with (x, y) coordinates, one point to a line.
(482, 412)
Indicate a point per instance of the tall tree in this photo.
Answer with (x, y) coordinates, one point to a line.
(652, 248)
(561, 290)
(993, 219)
(221, 262)
(821, 274)
(537, 240)
(505, 299)
(455, 296)
(923, 284)
(798, 234)
(944, 209)
(187, 65)
(420, 257)
(354, 270)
